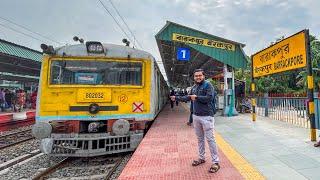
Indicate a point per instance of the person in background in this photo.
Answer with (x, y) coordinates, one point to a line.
(176, 94)
(34, 99)
(15, 100)
(21, 99)
(245, 105)
(8, 97)
(28, 100)
(191, 114)
(172, 94)
(2, 100)
(185, 92)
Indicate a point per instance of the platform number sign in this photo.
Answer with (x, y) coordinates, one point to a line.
(183, 54)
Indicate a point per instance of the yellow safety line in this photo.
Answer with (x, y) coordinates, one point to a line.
(240, 163)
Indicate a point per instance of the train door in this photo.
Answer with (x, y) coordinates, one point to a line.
(156, 79)
(159, 90)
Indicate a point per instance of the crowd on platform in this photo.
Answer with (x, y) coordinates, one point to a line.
(17, 100)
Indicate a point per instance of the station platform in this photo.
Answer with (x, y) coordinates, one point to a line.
(9, 120)
(265, 149)
(8, 116)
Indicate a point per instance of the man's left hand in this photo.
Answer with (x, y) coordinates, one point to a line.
(193, 97)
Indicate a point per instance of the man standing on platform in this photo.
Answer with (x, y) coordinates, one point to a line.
(172, 94)
(203, 120)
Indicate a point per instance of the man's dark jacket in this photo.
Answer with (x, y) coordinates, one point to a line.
(202, 104)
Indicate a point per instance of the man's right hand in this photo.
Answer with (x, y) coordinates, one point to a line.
(173, 98)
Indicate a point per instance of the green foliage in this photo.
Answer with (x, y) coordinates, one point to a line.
(214, 83)
(315, 55)
(244, 74)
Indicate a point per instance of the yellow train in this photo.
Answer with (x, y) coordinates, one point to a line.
(96, 99)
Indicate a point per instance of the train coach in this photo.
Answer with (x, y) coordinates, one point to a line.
(96, 99)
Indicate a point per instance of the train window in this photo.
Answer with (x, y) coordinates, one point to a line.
(96, 72)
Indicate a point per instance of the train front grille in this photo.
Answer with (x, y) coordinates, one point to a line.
(94, 146)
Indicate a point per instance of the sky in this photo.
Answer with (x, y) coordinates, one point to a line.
(255, 23)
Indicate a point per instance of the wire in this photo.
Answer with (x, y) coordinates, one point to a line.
(115, 20)
(126, 24)
(4, 35)
(45, 37)
(7, 27)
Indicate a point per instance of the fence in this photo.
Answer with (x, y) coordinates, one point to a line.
(317, 109)
(288, 108)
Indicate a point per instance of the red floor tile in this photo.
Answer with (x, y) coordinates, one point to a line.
(168, 149)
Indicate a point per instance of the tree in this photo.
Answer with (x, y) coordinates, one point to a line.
(315, 56)
(245, 74)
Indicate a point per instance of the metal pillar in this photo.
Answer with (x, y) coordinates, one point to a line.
(266, 104)
(253, 93)
(229, 93)
(310, 82)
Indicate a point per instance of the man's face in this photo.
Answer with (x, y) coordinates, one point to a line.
(198, 77)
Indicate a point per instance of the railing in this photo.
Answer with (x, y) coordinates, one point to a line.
(317, 109)
(288, 108)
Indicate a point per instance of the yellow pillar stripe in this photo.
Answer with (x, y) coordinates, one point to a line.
(311, 107)
(253, 101)
(310, 82)
(254, 117)
(243, 166)
(253, 87)
(313, 134)
(239, 162)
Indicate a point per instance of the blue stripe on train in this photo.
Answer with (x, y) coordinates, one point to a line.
(98, 117)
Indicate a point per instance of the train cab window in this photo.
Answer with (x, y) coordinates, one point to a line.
(96, 72)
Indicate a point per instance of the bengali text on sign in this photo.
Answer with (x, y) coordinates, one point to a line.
(203, 42)
(285, 55)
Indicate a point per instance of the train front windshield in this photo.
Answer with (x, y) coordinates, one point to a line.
(93, 72)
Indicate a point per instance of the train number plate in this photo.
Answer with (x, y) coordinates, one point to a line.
(94, 95)
(97, 95)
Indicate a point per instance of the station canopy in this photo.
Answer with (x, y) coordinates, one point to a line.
(19, 63)
(207, 52)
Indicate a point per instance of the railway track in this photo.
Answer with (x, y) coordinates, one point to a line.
(52, 169)
(115, 167)
(90, 168)
(14, 138)
(19, 159)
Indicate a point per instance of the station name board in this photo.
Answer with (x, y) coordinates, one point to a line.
(285, 55)
(203, 42)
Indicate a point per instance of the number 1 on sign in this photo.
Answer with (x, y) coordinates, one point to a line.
(183, 53)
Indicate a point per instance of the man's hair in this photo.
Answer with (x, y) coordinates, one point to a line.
(199, 70)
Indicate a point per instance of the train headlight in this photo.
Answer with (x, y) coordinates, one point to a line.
(41, 130)
(94, 108)
(94, 47)
(94, 126)
(121, 127)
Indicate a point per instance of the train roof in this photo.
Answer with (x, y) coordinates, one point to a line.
(111, 50)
